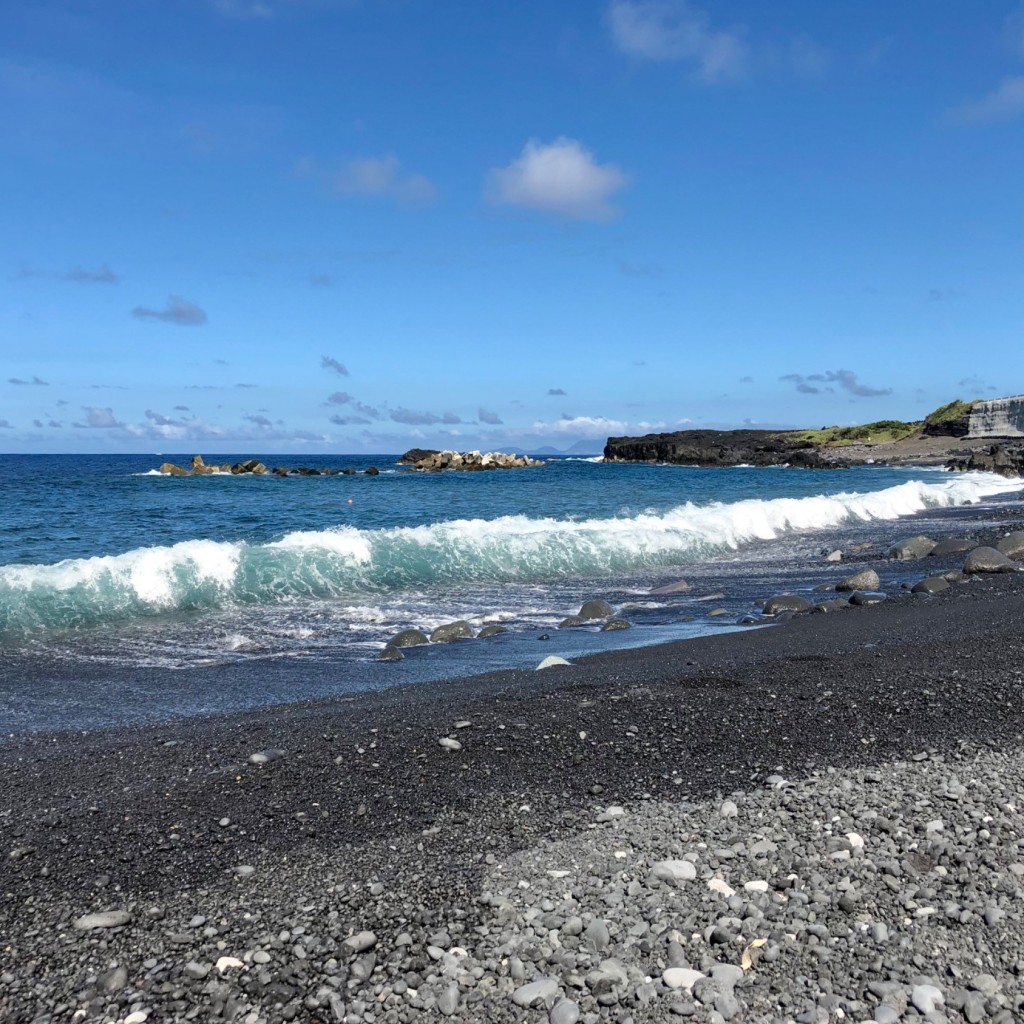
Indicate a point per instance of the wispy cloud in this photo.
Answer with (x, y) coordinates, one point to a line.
(6, 425)
(415, 417)
(357, 407)
(34, 382)
(491, 418)
(84, 275)
(348, 421)
(676, 30)
(98, 418)
(1004, 104)
(332, 364)
(561, 178)
(556, 391)
(80, 275)
(321, 280)
(265, 10)
(815, 383)
(178, 311)
(370, 176)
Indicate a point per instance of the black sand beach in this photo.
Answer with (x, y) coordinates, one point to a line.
(361, 821)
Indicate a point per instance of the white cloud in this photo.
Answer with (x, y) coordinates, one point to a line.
(99, 418)
(1004, 104)
(676, 30)
(594, 425)
(371, 176)
(561, 178)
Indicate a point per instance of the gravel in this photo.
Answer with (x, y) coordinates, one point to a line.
(813, 823)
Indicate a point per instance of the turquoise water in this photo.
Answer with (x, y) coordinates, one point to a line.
(107, 566)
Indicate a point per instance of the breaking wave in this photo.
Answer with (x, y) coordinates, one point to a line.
(345, 561)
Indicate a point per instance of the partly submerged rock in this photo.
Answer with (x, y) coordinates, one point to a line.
(786, 603)
(452, 631)
(614, 624)
(596, 609)
(573, 620)
(391, 653)
(409, 638)
(866, 579)
(170, 469)
(951, 546)
(915, 547)
(492, 630)
(679, 587)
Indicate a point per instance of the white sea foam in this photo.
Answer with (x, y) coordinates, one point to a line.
(345, 562)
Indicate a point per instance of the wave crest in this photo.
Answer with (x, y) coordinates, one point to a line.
(346, 561)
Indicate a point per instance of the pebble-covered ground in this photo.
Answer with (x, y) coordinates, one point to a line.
(816, 822)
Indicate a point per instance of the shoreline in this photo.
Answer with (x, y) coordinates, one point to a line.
(357, 819)
(362, 817)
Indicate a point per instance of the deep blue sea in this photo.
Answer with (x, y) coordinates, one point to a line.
(113, 576)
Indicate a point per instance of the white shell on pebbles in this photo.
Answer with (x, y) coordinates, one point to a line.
(551, 661)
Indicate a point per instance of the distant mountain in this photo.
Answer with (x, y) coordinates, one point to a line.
(584, 447)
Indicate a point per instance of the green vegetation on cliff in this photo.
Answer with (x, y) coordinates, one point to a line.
(879, 432)
(954, 414)
(950, 420)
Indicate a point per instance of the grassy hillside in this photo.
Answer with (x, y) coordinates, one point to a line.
(879, 432)
(950, 419)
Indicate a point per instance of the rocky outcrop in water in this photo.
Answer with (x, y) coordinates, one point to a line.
(1002, 417)
(718, 448)
(437, 461)
(1004, 459)
(251, 467)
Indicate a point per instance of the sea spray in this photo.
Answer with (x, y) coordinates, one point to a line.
(345, 562)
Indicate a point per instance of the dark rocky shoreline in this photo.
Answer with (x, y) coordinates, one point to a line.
(715, 448)
(359, 820)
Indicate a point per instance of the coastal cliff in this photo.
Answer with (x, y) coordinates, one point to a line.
(718, 448)
(1002, 417)
(960, 435)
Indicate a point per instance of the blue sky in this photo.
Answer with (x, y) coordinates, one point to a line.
(362, 225)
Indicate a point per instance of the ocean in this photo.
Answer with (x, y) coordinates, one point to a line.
(127, 596)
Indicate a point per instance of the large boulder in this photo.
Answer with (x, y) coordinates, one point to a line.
(409, 638)
(786, 603)
(614, 624)
(390, 653)
(915, 547)
(452, 631)
(197, 463)
(414, 455)
(596, 610)
(986, 559)
(170, 469)
(866, 579)
(1012, 545)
